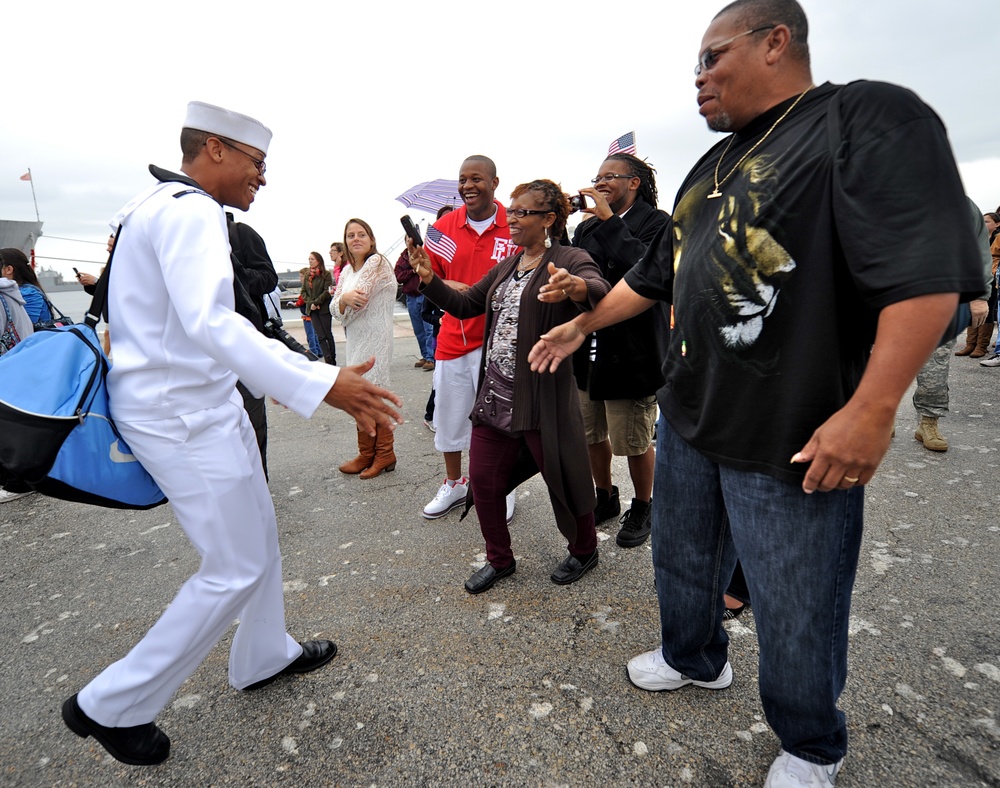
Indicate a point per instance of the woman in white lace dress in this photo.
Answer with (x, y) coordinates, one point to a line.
(363, 303)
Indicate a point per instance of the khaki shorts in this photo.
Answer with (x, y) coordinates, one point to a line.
(629, 423)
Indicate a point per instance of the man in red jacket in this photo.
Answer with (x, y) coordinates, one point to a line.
(463, 245)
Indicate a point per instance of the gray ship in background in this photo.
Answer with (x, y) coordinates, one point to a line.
(23, 236)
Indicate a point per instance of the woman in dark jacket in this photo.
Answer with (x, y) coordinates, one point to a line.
(316, 295)
(525, 422)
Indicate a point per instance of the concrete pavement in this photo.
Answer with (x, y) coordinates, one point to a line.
(522, 685)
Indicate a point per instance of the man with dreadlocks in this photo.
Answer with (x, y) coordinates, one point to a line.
(618, 369)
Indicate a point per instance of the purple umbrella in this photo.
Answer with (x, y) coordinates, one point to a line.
(431, 196)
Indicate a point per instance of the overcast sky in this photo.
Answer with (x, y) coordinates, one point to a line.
(367, 99)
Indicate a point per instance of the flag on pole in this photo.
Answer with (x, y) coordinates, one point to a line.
(26, 176)
(624, 144)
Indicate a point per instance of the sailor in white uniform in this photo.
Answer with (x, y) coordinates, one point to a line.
(178, 351)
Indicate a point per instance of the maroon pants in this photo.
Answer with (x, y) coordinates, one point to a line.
(492, 455)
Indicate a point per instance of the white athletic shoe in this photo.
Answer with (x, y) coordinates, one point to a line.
(787, 771)
(449, 495)
(511, 503)
(650, 671)
(7, 495)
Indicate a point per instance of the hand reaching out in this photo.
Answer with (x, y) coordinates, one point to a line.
(363, 400)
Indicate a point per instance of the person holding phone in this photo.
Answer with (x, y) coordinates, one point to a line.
(363, 302)
(618, 368)
(410, 282)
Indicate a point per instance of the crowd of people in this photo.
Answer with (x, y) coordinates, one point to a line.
(553, 354)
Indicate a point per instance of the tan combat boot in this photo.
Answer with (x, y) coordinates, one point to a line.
(927, 433)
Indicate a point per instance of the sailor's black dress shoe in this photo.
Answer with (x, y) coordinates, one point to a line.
(138, 745)
(315, 654)
(487, 576)
(572, 569)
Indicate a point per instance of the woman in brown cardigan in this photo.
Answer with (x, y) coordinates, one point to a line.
(525, 422)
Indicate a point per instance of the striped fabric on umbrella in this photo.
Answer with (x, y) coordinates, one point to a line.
(431, 196)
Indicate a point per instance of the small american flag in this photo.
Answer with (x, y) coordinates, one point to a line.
(624, 144)
(440, 244)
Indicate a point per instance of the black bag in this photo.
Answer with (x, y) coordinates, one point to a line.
(58, 318)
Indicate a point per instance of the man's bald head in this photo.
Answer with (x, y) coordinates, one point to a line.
(753, 14)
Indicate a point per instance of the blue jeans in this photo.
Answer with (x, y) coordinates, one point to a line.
(311, 339)
(799, 554)
(424, 332)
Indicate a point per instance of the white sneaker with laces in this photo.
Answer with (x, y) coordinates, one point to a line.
(788, 771)
(511, 503)
(651, 672)
(992, 360)
(7, 495)
(449, 495)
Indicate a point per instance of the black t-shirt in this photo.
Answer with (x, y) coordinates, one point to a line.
(778, 283)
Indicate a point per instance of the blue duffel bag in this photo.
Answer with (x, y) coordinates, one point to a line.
(56, 431)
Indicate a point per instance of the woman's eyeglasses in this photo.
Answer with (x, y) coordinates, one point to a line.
(520, 213)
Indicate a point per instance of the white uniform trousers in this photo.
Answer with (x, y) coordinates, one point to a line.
(208, 465)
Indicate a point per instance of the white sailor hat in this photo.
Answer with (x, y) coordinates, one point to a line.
(226, 123)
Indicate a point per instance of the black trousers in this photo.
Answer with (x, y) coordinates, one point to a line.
(322, 325)
(257, 411)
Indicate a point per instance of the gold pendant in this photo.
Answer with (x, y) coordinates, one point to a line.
(714, 194)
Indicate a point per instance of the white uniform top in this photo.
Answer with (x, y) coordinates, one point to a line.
(177, 344)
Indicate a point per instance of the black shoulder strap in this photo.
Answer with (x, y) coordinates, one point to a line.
(98, 306)
(53, 310)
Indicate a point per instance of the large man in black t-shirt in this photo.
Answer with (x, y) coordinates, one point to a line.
(808, 289)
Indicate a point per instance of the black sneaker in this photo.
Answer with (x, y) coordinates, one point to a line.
(636, 524)
(608, 506)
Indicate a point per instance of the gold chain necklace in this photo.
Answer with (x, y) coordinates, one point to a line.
(757, 144)
(523, 266)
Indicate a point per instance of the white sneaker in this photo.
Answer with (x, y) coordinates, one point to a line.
(7, 495)
(450, 495)
(511, 503)
(787, 771)
(650, 671)
(992, 360)
(430, 425)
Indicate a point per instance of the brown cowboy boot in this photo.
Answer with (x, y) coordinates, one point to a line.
(385, 457)
(366, 455)
(983, 344)
(971, 336)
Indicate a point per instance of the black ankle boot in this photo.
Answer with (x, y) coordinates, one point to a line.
(608, 505)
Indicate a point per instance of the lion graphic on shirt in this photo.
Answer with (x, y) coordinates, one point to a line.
(745, 266)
